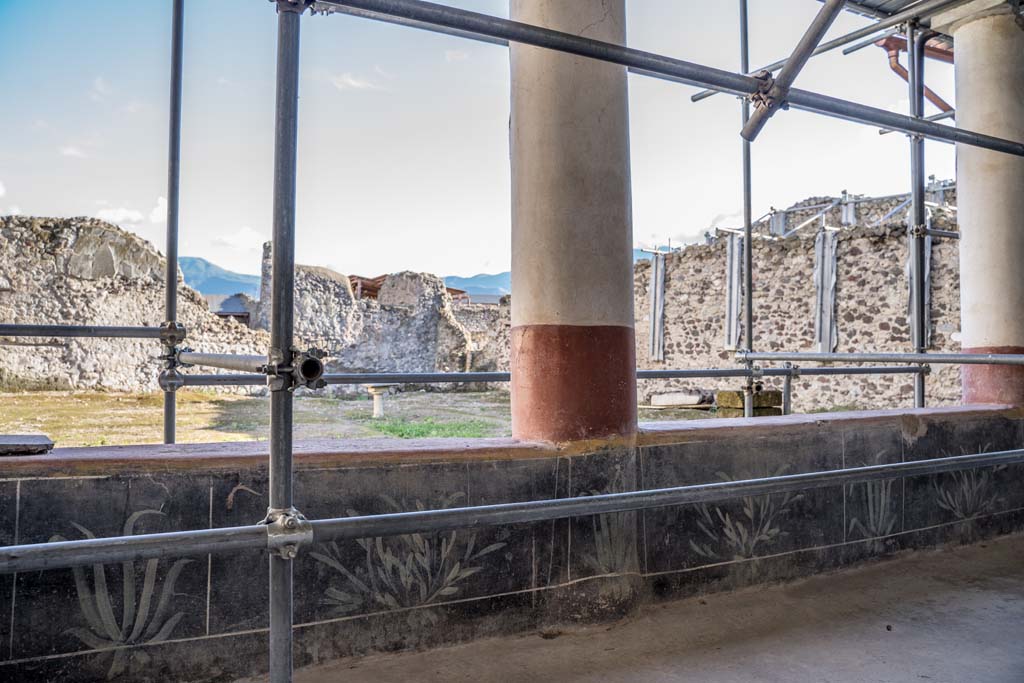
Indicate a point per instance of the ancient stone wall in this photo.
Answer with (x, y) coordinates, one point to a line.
(871, 311)
(488, 326)
(84, 271)
(410, 327)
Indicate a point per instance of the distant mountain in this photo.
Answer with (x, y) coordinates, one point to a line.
(209, 278)
(496, 285)
(501, 283)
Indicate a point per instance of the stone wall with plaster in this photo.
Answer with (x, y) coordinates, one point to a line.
(871, 310)
(82, 271)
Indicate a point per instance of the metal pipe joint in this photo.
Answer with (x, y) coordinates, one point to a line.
(296, 6)
(171, 379)
(303, 369)
(287, 531)
(172, 333)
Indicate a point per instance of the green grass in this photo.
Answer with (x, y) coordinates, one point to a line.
(418, 429)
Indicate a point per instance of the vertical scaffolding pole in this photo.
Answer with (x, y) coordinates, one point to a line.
(282, 324)
(916, 225)
(173, 185)
(748, 246)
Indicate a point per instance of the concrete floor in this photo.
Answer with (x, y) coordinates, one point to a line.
(954, 615)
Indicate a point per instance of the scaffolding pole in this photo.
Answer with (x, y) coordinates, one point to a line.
(775, 92)
(282, 327)
(98, 331)
(54, 555)
(916, 226)
(173, 190)
(748, 222)
(871, 357)
(360, 378)
(919, 11)
(667, 67)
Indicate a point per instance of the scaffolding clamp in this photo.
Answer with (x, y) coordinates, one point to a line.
(287, 530)
(172, 333)
(794, 370)
(297, 6)
(171, 380)
(768, 96)
(303, 369)
(918, 231)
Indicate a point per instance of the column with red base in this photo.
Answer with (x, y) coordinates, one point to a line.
(573, 355)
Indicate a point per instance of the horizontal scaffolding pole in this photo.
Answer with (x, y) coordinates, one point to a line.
(226, 361)
(467, 377)
(922, 10)
(941, 116)
(775, 96)
(22, 558)
(60, 554)
(666, 67)
(79, 331)
(933, 358)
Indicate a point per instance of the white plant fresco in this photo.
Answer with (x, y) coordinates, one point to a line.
(614, 534)
(142, 622)
(614, 544)
(880, 515)
(403, 572)
(967, 494)
(724, 537)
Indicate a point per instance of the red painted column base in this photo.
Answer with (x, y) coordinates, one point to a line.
(572, 382)
(993, 383)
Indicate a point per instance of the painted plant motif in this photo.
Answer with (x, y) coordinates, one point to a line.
(881, 517)
(403, 572)
(614, 534)
(141, 622)
(967, 494)
(614, 544)
(738, 538)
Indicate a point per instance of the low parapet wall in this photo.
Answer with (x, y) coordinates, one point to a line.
(205, 618)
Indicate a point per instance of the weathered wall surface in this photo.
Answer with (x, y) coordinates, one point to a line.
(410, 327)
(871, 314)
(85, 271)
(488, 326)
(207, 616)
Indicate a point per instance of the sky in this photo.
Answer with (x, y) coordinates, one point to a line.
(403, 159)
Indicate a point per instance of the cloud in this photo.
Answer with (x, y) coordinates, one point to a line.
(159, 212)
(120, 216)
(14, 211)
(72, 151)
(455, 56)
(100, 89)
(3, 190)
(348, 81)
(245, 238)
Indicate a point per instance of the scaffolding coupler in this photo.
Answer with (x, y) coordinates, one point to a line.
(300, 369)
(172, 333)
(287, 531)
(297, 6)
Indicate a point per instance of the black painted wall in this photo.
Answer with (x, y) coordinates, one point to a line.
(205, 618)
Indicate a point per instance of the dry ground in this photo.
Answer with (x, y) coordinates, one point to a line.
(108, 418)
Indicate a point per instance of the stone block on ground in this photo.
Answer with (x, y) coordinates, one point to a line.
(738, 412)
(768, 398)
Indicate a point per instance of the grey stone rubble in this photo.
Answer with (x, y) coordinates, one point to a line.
(84, 271)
